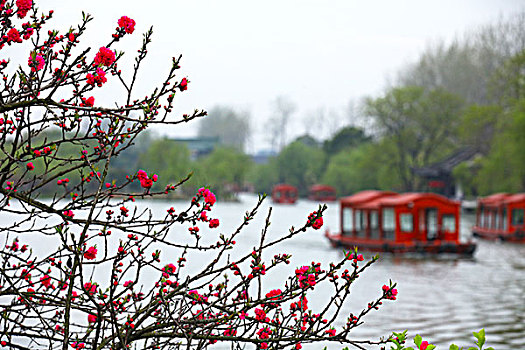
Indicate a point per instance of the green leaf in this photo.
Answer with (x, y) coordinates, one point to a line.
(472, 348)
(480, 336)
(418, 340)
(431, 347)
(453, 347)
(489, 348)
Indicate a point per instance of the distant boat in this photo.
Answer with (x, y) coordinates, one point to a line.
(501, 217)
(322, 193)
(284, 194)
(384, 221)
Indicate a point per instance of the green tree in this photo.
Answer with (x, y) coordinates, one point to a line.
(422, 126)
(504, 167)
(508, 82)
(478, 125)
(349, 136)
(300, 165)
(264, 176)
(224, 170)
(171, 160)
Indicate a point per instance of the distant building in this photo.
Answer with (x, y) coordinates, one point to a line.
(199, 146)
(439, 175)
(262, 157)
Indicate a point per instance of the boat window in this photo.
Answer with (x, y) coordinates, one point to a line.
(497, 223)
(504, 219)
(517, 217)
(407, 222)
(449, 223)
(432, 222)
(374, 219)
(485, 218)
(277, 194)
(358, 220)
(494, 218)
(348, 223)
(388, 223)
(361, 232)
(374, 224)
(388, 219)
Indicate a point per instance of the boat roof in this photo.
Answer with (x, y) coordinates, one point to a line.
(284, 187)
(373, 204)
(365, 196)
(411, 197)
(515, 198)
(494, 199)
(320, 187)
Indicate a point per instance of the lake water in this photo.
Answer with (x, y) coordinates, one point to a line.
(443, 299)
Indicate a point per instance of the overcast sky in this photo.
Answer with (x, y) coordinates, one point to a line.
(319, 54)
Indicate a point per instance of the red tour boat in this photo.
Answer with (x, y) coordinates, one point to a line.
(400, 223)
(322, 193)
(501, 217)
(284, 193)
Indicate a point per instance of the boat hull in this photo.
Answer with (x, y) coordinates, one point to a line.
(284, 200)
(430, 248)
(499, 235)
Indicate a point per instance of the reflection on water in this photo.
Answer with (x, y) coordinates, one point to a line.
(442, 299)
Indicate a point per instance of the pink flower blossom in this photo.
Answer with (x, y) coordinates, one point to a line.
(92, 318)
(127, 24)
(209, 196)
(316, 223)
(46, 281)
(183, 84)
(91, 253)
(168, 270)
(89, 102)
(260, 315)
(28, 33)
(214, 223)
(36, 63)
(13, 35)
(90, 287)
(105, 57)
(356, 258)
(331, 332)
(23, 7)
(146, 183)
(99, 78)
(30, 166)
(141, 174)
(390, 293)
